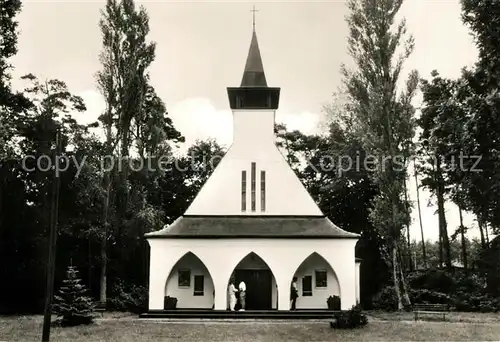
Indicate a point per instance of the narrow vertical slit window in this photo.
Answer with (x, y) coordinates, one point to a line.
(253, 186)
(262, 190)
(243, 190)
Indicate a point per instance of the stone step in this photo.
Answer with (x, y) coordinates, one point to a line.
(224, 314)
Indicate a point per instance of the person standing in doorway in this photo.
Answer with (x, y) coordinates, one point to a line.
(232, 294)
(294, 293)
(242, 290)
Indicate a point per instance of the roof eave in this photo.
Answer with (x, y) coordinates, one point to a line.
(308, 237)
(338, 234)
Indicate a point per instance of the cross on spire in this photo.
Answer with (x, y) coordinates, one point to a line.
(254, 10)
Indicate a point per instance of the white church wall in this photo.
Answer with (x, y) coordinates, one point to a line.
(252, 264)
(185, 294)
(283, 256)
(254, 142)
(319, 295)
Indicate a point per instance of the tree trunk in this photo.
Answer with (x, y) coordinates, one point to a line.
(143, 246)
(486, 234)
(481, 231)
(125, 172)
(104, 263)
(105, 219)
(406, 296)
(1, 202)
(415, 266)
(410, 266)
(436, 189)
(395, 274)
(104, 238)
(119, 247)
(90, 262)
(2, 239)
(441, 256)
(442, 217)
(462, 233)
(424, 255)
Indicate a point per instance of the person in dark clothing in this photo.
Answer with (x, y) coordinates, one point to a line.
(294, 293)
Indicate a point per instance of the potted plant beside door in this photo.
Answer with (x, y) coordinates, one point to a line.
(333, 302)
(170, 303)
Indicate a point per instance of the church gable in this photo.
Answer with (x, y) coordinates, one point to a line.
(258, 183)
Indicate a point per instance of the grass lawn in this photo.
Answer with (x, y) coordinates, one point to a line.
(464, 317)
(125, 329)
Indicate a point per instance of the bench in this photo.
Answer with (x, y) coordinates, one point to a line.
(436, 309)
(100, 307)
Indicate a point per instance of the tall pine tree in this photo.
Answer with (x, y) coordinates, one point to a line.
(383, 117)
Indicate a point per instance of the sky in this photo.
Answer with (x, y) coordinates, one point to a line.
(201, 48)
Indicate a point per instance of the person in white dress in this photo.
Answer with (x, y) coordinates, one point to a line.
(242, 287)
(232, 294)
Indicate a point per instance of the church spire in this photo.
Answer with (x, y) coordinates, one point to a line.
(253, 93)
(254, 76)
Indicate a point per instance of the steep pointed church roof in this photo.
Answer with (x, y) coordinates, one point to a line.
(254, 76)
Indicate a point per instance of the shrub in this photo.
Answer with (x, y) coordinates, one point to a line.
(472, 295)
(489, 267)
(424, 296)
(475, 302)
(462, 291)
(350, 319)
(71, 304)
(489, 304)
(434, 280)
(470, 283)
(130, 298)
(385, 300)
(333, 302)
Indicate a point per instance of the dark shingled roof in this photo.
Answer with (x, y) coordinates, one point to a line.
(252, 227)
(254, 76)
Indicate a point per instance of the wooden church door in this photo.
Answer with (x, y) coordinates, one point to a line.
(259, 288)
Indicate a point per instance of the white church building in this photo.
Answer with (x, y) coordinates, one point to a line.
(253, 219)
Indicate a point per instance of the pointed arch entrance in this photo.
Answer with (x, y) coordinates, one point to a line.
(316, 281)
(262, 290)
(191, 283)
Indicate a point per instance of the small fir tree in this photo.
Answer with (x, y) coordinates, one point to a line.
(71, 304)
